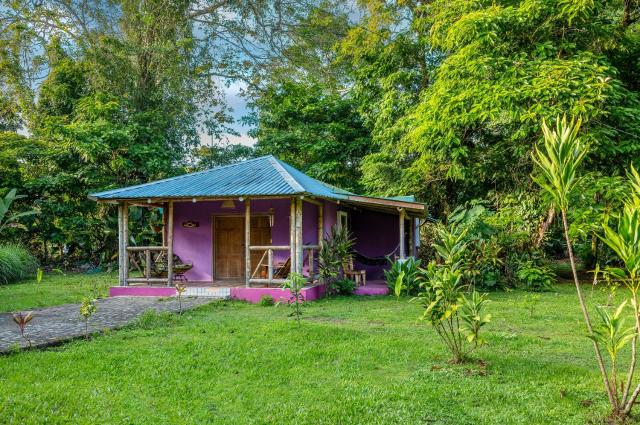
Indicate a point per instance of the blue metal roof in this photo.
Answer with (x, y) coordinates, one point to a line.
(264, 176)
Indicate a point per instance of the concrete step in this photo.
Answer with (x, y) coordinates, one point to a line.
(211, 292)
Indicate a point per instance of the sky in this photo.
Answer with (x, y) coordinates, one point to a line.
(239, 107)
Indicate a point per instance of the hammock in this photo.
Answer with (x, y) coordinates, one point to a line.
(374, 261)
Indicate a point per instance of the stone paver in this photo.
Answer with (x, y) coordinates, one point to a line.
(53, 325)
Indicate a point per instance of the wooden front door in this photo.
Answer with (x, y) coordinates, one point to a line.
(229, 247)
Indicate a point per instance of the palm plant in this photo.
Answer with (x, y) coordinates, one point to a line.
(557, 165)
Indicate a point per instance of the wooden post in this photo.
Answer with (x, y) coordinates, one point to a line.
(164, 227)
(170, 244)
(125, 238)
(147, 263)
(310, 262)
(320, 223)
(402, 242)
(292, 234)
(120, 246)
(412, 240)
(247, 241)
(270, 265)
(299, 254)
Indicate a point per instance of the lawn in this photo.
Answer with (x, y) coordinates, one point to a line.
(353, 360)
(54, 289)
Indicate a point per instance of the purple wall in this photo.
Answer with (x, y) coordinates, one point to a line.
(376, 233)
(195, 245)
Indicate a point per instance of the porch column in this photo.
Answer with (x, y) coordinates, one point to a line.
(170, 243)
(320, 222)
(125, 237)
(299, 251)
(247, 241)
(412, 241)
(401, 226)
(120, 245)
(292, 235)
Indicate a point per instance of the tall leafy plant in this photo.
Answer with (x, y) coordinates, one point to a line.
(557, 163)
(458, 319)
(625, 242)
(335, 251)
(7, 219)
(409, 269)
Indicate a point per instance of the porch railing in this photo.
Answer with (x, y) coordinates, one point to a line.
(145, 255)
(268, 253)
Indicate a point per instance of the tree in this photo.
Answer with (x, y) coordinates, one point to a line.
(500, 69)
(314, 129)
(390, 67)
(220, 154)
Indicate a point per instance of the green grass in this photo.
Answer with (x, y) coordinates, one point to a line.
(54, 289)
(354, 360)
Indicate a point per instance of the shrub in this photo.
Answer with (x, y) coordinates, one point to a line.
(266, 301)
(484, 265)
(410, 267)
(16, 263)
(344, 287)
(457, 319)
(534, 277)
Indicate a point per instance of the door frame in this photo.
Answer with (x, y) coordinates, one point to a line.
(214, 216)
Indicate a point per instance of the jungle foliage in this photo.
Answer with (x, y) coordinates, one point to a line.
(443, 100)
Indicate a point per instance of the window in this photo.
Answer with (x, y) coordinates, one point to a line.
(343, 220)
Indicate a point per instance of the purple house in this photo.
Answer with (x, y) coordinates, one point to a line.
(240, 229)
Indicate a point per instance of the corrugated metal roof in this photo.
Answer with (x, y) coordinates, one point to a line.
(264, 176)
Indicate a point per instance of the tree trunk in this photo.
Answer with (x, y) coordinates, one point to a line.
(544, 226)
(585, 312)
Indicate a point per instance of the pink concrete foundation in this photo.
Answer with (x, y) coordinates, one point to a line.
(372, 289)
(253, 295)
(141, 291)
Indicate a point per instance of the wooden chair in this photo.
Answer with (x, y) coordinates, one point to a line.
(282, 272)
(358, 276)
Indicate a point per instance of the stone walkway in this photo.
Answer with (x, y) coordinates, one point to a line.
(53, 325)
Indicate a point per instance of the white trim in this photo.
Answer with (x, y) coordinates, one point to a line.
(339, 216)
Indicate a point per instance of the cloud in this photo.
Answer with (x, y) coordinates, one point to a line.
(243, 139)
